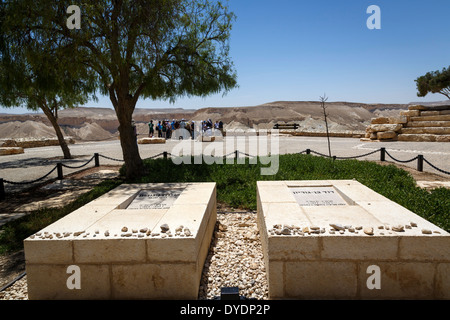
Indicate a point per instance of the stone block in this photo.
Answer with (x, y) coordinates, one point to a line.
(154, 281)
(49, 282)
(386, 135)
(380, 120)
(8, 143)
(435, 113)
(418, 107)
(320, 280)
(443, 281)
(329, 259)
(275, 275)
(359, 247)
(410, 113)
(152, 141)
(433, 117)
(385, 127)
(284, 248)
(426, 130)
(399, 280)
(424, 123)
(6, 151)
(420, 248)
(417, 137)
(443, 138)
(398, 120)
(137, 258)
(108, 251)
(47, 251)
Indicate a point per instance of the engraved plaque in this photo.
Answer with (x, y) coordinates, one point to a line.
(317, 196)
(154, 199)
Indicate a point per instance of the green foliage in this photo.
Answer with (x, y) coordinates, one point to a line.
(160, 49)
(434, 82)
(35, 72)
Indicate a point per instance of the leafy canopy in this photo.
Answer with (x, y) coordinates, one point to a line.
(434, 82)
(158, 49)
(35, 73)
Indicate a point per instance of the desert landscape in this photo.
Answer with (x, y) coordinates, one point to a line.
(98, 124)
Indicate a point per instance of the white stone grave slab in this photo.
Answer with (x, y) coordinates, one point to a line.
(138, 241)
(324, 239)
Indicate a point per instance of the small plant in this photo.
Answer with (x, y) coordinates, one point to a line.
(325, 115)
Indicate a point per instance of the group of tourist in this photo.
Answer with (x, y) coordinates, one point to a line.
(166, 128)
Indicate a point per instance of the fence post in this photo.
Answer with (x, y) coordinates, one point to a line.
(236, 154)
(383, 154)
(420, 163)
(165, 155)
(2, 190)
(308, 151)
(60, 170)
(97, 160)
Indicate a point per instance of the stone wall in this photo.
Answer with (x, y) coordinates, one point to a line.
(418, 123)
(33, 143)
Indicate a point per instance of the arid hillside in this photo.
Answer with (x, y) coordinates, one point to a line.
(86, 124)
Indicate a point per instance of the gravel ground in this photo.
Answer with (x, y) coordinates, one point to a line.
(235, 259)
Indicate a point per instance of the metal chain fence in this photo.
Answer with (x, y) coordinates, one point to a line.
(236, 153)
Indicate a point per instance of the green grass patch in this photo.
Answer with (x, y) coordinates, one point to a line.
(236, 186)
(236, 183)
(13, 233)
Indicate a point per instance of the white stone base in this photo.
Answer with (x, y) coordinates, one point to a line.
(152, 141)
(412, 265)
(132, 264)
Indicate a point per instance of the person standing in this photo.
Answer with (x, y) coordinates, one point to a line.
(164, 129)
(221, 127)
(151, 129)
(158, 128)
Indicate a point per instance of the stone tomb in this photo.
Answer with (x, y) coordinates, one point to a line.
(138, 241)
(342, 240)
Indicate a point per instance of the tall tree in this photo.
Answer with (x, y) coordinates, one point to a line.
(434, 82)
(158, 49)
(38, 77)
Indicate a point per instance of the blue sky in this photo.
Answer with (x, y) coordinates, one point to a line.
(299, 50)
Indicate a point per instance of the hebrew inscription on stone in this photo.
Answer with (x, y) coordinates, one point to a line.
(154, 199)
(317, 196)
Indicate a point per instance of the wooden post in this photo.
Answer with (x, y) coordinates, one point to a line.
(97, 160)
(383, 154)
(2, 190)
(420, 163)
(60, 170)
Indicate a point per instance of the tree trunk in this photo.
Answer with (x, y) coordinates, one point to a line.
(62, 142)
(133, 163)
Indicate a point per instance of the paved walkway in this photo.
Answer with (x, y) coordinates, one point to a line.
(36, 162)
